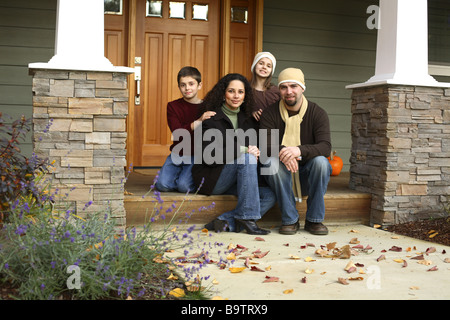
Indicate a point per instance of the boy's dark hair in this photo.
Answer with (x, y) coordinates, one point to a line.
(189, 72)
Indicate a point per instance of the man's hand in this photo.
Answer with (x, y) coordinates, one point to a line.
(289, 155)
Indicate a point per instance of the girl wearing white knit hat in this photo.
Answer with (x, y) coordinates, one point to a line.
(264, 92)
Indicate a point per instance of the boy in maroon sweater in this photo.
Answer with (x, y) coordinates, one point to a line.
(186, 114)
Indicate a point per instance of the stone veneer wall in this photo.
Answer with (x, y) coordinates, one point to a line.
(401, 151)
(79, 122)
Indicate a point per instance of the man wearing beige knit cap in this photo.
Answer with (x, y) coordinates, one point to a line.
(304, 143)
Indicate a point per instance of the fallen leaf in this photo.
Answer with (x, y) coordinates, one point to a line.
(435, 268)
(237, 269)
(394, 237)
(172, 277)
(288, 291)
(261, 255)
(253, 268)
(349, 265)
(433, 235)
(231, 256)
(321, 252)
(303, 280)
(405, 264)
(343, 281)
(354, 231)
(351, 270)
(414, 288)
(259, 239)
(354, 241)
(399, 260)
(425, 262)
(382, 257)
(204, 230)
(215, 282)
(419, 257)
(268, 268)
(309, 259)
(177, 292)
(309, 271)
(310, 244)
(331, 245)
(377, 226)
(447, 260)
(271, 279)
(395, 249)
(293, 257)
(356, 278)
(430, 250)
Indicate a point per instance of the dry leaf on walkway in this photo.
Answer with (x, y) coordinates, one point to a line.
(382, 257)
(309, 259)
(259, 239)
(343, 281)
(253, 268)
(271, 279)
(435, 268)
(237, 269)
(288, 291)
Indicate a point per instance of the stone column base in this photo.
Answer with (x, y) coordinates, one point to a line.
(79, 123)
(401, 150)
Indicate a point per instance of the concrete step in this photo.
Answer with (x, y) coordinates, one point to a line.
(343, 206)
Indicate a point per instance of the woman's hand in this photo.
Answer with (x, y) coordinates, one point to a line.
(254, 151)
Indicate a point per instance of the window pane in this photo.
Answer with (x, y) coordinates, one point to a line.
(154, 9)
(239, 14)
(113, 6)
(200, 12)
(177, 10)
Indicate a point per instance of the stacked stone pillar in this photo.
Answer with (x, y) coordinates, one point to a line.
(79, 123)
(401, 151)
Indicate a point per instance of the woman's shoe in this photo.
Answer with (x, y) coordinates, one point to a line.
(217, 225)
(220, 225)
(250, 226)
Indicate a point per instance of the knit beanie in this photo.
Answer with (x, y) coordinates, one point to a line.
(261, 55)
(292, 75)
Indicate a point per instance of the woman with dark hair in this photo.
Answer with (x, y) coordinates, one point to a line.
(228, 163)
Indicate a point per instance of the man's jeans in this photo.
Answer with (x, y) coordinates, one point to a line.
(176, 177)
(314, 178)
(240, 178)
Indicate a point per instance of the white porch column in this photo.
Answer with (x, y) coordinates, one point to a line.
(402, 45)
(79, 43)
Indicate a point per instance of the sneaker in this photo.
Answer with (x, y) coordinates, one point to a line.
(316, 228)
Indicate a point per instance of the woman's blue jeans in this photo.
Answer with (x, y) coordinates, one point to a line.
(176, 176)
(314, 178)
(240, 178)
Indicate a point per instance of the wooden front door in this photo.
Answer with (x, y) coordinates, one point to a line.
(161, 37)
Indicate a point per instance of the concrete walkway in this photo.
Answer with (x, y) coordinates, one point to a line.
(295, 272)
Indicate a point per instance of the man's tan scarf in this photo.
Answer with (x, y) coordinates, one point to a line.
(291, 138)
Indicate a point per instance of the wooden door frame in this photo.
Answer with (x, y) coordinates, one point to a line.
(223, 60)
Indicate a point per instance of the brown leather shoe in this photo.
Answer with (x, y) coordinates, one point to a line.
(290, 228)
(316, 228)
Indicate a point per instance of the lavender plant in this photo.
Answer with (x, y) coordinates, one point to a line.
(50, 252)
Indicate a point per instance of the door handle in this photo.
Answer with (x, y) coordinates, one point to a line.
(137, 78)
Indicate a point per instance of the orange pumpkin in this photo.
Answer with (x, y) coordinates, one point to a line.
(336, 164)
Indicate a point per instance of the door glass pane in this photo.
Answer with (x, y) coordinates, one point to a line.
(239, 14)
(200, 12)
(113, 6)
(177, 10)
(154, 9)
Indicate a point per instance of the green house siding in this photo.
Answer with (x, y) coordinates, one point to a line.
(327, 39)
(27, 34)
